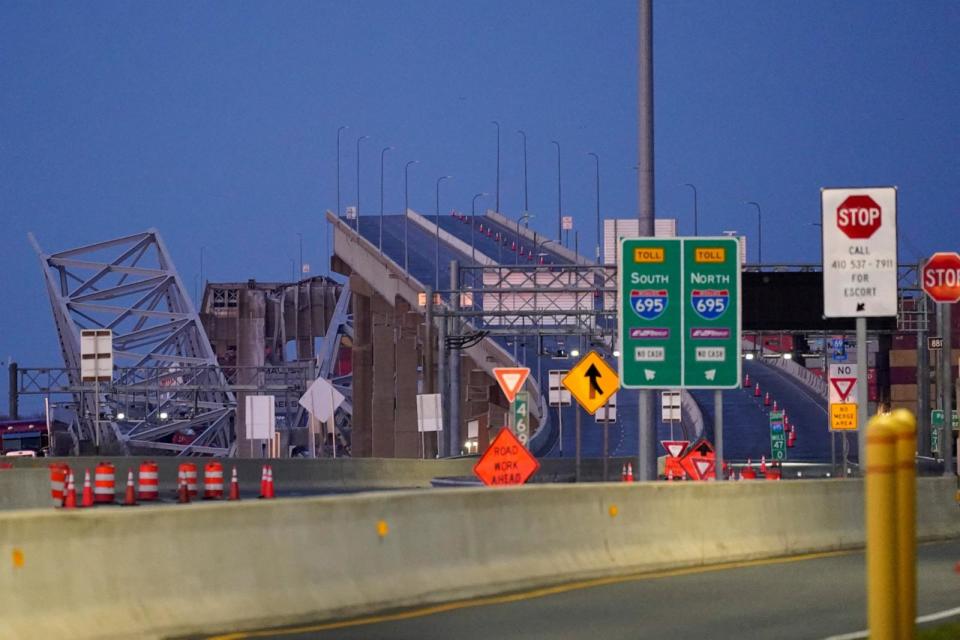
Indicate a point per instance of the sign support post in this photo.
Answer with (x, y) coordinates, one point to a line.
(718, 432)
(862, 392)
(946, 395)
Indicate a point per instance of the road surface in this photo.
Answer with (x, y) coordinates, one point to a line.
(810, 597)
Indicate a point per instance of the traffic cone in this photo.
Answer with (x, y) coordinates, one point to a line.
(234, 486)
(629, 477)
(263, 482)
(669, 475)
(766, 399)
(746, 380)
(763, 465)
(183, 494)
(130, 499)
(70, 497)
(756, 390)
(87, 490)
(270, 494)
(774, 405)
(747, 473)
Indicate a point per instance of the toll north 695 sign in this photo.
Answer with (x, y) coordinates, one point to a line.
(679, 313)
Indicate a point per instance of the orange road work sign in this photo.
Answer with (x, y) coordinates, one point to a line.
(506, 462)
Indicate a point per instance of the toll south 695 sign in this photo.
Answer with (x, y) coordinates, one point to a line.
(859, 252)
(679, 306)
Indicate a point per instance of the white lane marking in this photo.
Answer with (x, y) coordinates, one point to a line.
(930, 617)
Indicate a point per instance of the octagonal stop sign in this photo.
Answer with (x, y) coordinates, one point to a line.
(859, 217)
(941, 277)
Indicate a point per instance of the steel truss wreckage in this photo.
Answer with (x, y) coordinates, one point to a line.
(163, 361)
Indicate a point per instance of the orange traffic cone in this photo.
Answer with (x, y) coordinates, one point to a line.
(747, 473)
(763, 465)
(130, 499)
(756, 391)
(263, 482)
(746, 380)
(629, 477)
(270, 494)
(183, 494)
(766, 399)
(234, 486)
(669, 475)
(70, 497)
(87, 490)
(774, 405)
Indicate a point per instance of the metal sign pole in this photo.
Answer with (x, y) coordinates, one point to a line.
(718, 432)
(862, 393)
(946, 391)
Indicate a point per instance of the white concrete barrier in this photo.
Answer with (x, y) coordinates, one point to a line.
(24, 488)
(155, 571)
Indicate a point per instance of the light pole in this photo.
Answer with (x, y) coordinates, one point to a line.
(497, 205)
(526, 203)
(406, 209)
(559, 196)
(473, 223)
(696, 230)
(339, 131)
(382, 152)
(597, 160)
(525, 218)
(300, 253)
(759, 232)
(359, 140)
(436, 281)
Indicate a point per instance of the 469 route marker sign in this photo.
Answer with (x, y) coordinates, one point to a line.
(679, 313)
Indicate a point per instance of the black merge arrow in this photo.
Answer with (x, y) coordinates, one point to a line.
(593, 374)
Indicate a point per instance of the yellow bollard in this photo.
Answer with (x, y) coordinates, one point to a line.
(881, 529)
(905, 426)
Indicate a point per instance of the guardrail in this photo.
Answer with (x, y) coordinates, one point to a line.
(811, 380)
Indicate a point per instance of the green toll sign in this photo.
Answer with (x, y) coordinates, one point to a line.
(679, 312)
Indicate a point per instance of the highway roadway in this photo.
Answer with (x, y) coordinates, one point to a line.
(809, 597)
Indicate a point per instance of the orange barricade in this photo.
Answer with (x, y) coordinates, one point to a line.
(189, 471)
(149, 478)
(58, 483)
(213, 481)
(104, 489)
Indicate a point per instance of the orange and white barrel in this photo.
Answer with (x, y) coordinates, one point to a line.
(189, 471)
(213, 481)
(149, 481)
(104, 489)
(58, 482)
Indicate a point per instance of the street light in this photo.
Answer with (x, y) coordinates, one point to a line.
(339, 131)
(525, 218)
(406, 213)
(759, 232)
(436, 281)
(597, 159)
(473, 223)
(382, 152)
(359, 140)
(696, 230)
(300, 247)
(526, 203)
(559, 196)
(497, 205)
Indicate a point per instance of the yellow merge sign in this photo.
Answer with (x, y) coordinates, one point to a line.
(591, 381)
(843, 416)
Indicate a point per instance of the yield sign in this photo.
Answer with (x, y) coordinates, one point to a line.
(511, 380)
(703, 466)
(843, 386)
(675, 447)
(506, 461)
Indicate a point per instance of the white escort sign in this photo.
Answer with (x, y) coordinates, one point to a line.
(859, 252)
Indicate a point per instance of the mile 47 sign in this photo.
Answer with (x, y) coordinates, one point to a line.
(679, 310)
(859, 252)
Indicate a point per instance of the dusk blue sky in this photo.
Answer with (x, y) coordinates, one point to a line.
(216, 122)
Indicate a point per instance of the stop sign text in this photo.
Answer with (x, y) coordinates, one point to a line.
(859, 217)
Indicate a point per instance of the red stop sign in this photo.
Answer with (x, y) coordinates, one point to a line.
(858, 217)
(941, 277)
